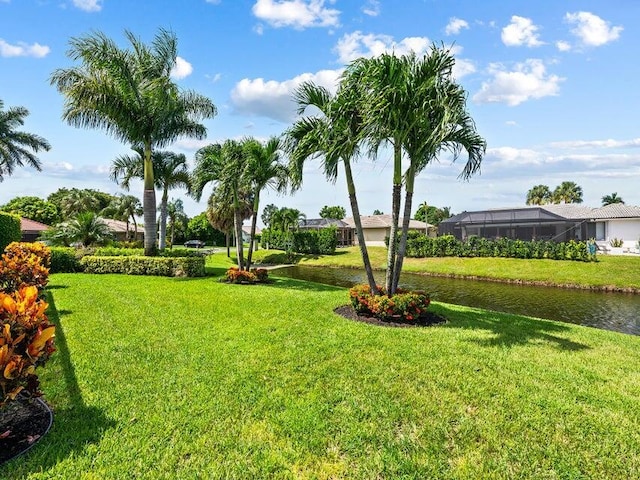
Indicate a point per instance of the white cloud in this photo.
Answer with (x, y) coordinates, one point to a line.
(521, 31)
(462, 66)
(514, 157)
(274, 99)
(213, 78)
(88, 5)
(355, 45)
(610, 143)
(259, 29)
(511, 123)
(182, 69)
(371, 8)
(529, 80)
(563, 46)
(22, 49)
(455, 25)
(298, 14)
(592, 30)
(215, 2)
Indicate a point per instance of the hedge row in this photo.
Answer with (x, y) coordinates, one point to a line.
(420, 246)
(160, 266)
(314, 242)
(10, 230)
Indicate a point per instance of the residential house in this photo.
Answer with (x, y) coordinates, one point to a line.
(561, 222)
(31, 229)
(344, 231)
(119, 230)
(378, 227)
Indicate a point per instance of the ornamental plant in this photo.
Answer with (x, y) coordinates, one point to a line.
(404, 305)
(26, 342)
(24, 264)
(256, 275)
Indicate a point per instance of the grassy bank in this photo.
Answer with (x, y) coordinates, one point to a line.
(610, 271)
(190, 378)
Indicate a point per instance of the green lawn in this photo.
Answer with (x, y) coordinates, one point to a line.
(616, 271)
(190, 378)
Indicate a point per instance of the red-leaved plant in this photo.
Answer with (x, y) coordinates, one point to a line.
(256, 275)
(24, 264)
(404, 306)
(26, 342)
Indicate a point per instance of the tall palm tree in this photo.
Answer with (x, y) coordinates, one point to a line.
(130, 95)
(415, 105)
(333, 136)
(175, 214)
(221, 215)
(224, 165)
(17, 147)
(567, 192)
(264, 170)
(169, 171)
(539, 195)
(611, 199)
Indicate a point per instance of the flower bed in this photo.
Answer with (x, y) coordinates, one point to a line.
(403, 306)
(256, 275)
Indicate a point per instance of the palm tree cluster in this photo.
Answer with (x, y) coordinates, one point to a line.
(17, 147)
(129, 93)
(239, 172)
(412, 104)
(566, 192)
(612, 199)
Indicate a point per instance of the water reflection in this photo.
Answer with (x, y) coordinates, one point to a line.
(611, 311)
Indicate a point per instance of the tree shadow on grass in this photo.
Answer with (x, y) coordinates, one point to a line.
(75, 425)
(304, 285)
(509, 330)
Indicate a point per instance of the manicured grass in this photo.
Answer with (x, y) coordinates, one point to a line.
(189, 378)
(617, 271)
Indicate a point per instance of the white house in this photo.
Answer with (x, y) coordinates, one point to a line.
(377, 227)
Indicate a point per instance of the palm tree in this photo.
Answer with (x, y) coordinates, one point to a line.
(611, 199)
(175, 214)
(415, 105)
(130, 95)
(89, 229)
(539, 195)
(221, 216)
(333, 136)
(264, 171)
(169, 171)
(78, 201)
(16, 147)
(567, 192)
(224, 165)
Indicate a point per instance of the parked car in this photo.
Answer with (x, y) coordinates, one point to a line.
(194, 244)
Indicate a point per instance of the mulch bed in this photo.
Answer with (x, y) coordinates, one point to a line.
(425, 320)
(22, 423)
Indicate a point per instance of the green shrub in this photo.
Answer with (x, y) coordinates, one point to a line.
(10, 230)
(65, 260)
(133, 252)
(139, 265)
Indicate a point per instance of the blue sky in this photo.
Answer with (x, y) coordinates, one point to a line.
(552, 87)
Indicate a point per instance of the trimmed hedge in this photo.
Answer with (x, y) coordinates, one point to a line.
(65, 260)
(10, 230)
(139, 265)
(314, 242)
(132, 252)
(420, 246)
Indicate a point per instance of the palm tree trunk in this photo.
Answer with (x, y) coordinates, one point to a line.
(149, 204)
(135, 227)
(173, 230)
(395, 214)
(355, 210)
(226, 235)
(163, 218)
(254, 220)
(127, 237)
(402, 248)
(238, 227)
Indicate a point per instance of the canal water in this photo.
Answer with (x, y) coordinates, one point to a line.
(607, 310)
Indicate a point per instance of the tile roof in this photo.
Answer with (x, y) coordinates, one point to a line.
(383, 221)
(617, 210)
(120, 226)
(27, 225)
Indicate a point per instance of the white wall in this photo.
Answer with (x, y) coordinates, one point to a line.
(627, 229)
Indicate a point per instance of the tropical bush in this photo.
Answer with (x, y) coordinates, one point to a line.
(65, 260)
(313, 242)
(140, 265)
(10, 230)
(420, 246)
(26, 342)
(616, 242)
(24, 264)
(403, 305)
(256, 275)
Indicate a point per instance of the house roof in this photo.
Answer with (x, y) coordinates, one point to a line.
(118, 226)
(27, 225)
(247, 229)
(557, 212)
(322, 223)
(383, 221)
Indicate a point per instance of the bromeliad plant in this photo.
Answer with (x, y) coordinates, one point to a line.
(26, 342)
(404, 306)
